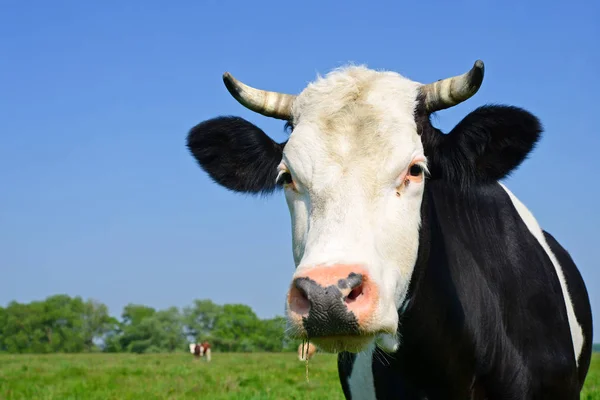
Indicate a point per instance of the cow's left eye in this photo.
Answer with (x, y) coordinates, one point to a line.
(415, 170)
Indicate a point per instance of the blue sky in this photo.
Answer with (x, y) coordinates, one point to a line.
(100, 198)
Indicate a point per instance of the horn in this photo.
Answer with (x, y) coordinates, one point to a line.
(449, 92)
(271, 104)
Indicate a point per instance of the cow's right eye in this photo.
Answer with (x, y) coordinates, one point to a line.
(284, 178)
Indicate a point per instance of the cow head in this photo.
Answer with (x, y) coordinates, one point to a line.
(353, 173)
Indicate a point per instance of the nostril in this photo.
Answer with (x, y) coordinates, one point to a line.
(301, 295)
(354, 294)
(355, 283)
(354, 280)
(299, 302)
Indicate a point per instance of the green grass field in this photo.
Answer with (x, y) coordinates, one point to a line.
(179, 376)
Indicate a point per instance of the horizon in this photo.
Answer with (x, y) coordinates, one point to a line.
(104, 200)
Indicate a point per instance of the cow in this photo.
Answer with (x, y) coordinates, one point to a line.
(306, 351)
(205, 350)
(200, 350)
(414, 263)
(195, 349)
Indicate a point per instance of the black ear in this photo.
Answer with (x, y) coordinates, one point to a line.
(487, 145)
(236, 154)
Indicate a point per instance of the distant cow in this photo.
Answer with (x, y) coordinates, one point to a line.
(306, 351)
(205, 350)
(201, 349)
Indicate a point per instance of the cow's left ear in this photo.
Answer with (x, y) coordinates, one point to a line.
(485, 146)
(236, 154)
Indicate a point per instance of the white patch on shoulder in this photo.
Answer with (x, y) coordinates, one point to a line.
(361, 381)
(536, 231)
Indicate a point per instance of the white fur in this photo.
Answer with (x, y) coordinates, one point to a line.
(388, 343)
(355, 134)
(536, 231)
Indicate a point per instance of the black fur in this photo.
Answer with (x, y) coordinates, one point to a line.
(486, 146)
(236, 154)
(486, 317)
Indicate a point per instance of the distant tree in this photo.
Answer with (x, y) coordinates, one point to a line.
(61, 323)
(165, 331)
(133, 314)
(145, 330)
(20, 334)
(112, 340)
(200, 318)
(129, 336)
(236, 329)
(2, 329)
(61, 318)
(271, 335)
(97, 323)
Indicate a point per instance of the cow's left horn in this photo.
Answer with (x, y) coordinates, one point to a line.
(451, 91)
(271, 104)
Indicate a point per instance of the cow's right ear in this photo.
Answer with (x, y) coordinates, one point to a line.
(236, 154)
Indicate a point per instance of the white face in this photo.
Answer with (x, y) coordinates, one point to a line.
(353, 199)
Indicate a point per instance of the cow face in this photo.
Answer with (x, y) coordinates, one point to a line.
(353, 174)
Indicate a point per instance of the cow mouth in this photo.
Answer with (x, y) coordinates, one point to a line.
(343, 343)
(349, 341)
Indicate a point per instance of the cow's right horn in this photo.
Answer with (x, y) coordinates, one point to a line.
(271, 104)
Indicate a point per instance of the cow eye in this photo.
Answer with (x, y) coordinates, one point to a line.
(284, 178)
(288, 127)
(415, 170)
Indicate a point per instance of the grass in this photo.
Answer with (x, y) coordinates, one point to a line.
(179, 376)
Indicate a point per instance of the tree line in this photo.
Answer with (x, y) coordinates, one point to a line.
(65, 324)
